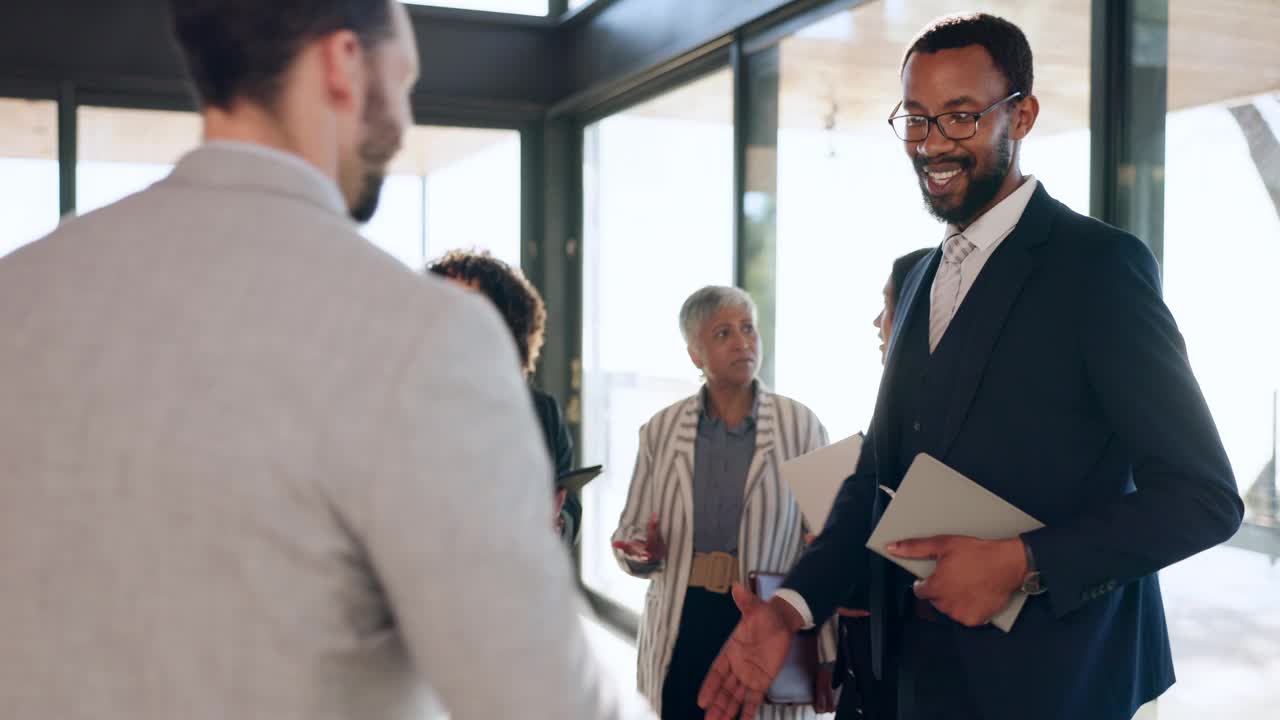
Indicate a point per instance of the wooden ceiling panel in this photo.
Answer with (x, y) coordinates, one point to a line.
(157, 137)
(429, 148)
(850, 63)
(28, 129)
(842, 72)
(1223, 50)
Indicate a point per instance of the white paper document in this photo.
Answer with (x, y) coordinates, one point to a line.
(934, 500)
(815, 478)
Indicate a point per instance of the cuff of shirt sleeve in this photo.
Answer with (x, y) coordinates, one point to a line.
(793, 598)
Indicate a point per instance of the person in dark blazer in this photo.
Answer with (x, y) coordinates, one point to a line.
(560, 445)
(862, 695)
(1033, 353)
(525, 314)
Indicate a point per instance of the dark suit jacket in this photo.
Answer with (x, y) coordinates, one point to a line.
(1073, 400)
(560, 446)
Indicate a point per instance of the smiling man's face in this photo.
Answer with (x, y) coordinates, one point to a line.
(961, 179)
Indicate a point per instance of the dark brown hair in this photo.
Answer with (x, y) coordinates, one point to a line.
(516, 298)
(242, 48)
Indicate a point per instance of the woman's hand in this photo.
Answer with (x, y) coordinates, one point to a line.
(652, 549)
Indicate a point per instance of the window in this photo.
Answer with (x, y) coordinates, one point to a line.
(122, 151)
(447, 188)
(519, 7)
(1221, 248)
(658, 202)
(28, 171)
(827, 176)
(451, 188)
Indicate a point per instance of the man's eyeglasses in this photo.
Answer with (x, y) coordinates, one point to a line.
(952, 125)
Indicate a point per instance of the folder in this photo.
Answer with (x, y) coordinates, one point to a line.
(575, 480)
(934, 499)
(815, 478)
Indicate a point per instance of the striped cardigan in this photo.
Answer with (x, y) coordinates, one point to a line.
(770, 538)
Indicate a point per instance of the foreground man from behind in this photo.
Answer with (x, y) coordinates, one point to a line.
(1033, 353)
(250, 466)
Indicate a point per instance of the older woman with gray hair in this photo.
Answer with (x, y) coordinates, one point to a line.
(707, 507)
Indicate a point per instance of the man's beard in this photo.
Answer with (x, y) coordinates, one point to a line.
(382, 140)
(367, 203)
(982, 188)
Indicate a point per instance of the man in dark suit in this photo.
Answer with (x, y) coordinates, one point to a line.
(1033, 353)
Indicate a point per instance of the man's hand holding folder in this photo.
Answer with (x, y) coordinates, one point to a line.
(962, 541)
(974, 580)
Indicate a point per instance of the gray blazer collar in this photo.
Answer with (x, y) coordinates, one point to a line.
(257, 168)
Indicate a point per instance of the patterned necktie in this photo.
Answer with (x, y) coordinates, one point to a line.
(946, 287)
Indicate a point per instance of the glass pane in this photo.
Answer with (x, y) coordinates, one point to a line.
(28, 171)
(846, 193)
(469, 178)
(450, 188)
(520, 7)
(658, 203)
(1221, 251)
(123, 151)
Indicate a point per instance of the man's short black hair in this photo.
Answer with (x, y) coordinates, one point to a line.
(242, 48)
(1002, 39)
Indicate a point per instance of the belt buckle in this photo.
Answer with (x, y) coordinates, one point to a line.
(720, 571)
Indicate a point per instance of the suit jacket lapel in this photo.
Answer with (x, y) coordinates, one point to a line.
(683, 445)
(913, 298)
(989, 302)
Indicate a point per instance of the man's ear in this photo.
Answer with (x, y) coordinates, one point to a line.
(345, 69)
(1024, 117)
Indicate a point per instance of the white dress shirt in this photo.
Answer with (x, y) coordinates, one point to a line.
(986, 233)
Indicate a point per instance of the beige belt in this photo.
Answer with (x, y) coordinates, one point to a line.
(714, 571)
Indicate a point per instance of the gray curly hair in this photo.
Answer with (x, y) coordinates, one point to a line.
(703, 304)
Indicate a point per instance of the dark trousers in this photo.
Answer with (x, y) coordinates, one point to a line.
(932, 684)
(705, 624)
(862, 696)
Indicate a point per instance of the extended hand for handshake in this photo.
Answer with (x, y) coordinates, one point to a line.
(973, 581)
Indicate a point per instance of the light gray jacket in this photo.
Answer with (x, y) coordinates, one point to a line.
(252, 467)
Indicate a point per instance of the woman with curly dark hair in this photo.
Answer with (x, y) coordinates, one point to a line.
(521, 307)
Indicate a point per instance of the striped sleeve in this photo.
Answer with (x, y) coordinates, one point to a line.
(632, 525)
